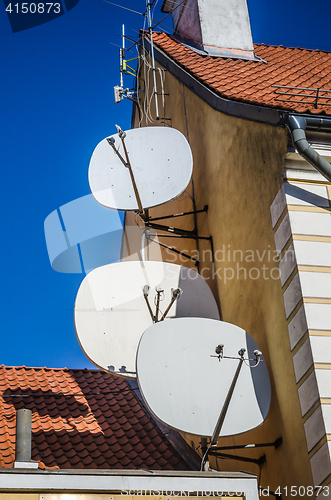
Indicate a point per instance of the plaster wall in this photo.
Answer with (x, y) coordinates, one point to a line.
(238, 170)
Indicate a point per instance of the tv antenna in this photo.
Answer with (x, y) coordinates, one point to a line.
(125, 69)
(150, 29)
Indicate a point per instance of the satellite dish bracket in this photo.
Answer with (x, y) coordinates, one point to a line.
(259, 461)
(196, 261)
(224, 410)
(275, 444)
(145, 293)
(158, 293)
(127, 164)
(182, 214)
(220, 355)
(149, 222)
(174, 230)
(181, 233)
(175, 295)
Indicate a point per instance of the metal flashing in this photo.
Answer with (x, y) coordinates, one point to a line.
(125, 482)
(210, 50)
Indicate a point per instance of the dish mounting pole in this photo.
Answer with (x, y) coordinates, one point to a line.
(127, 164)
(223, 413)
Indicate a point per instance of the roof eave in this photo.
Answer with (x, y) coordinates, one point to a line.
(239, 109)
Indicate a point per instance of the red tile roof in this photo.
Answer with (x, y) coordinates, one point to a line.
(81, 419)
(251, 81)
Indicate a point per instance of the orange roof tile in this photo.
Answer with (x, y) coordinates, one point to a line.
(81, 419)
(251, 81)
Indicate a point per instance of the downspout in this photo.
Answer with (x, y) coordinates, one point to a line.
(297, 126)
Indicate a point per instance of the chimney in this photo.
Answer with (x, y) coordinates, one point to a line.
(23, 441)
(216, 27)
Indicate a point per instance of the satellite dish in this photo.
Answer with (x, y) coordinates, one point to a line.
(161, 162)
(186, 387)
(112, 312)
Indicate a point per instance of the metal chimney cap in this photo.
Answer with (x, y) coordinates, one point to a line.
(215, 27)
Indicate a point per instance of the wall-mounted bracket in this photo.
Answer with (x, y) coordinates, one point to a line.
(182, 214)
(259, 461)
(196, 261)
(275, 444)
(169, 229)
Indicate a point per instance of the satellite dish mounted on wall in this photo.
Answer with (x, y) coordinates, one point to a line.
(140, 168)
(116, 303)
(188, 389)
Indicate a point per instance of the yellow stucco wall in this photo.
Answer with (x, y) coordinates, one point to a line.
(19, 496)
(238, 170)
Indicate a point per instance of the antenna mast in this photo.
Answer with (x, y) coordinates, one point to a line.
(119, 90)
(150, 29)
(122, 55)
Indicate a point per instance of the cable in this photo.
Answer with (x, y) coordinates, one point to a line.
(125, 8)
(149, 93)
(251, 366)
(204, 456)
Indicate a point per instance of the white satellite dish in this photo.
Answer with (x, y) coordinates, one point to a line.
(161, 162)
(187, 388)
(111, 311)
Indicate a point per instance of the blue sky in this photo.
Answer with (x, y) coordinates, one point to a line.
(57, 104)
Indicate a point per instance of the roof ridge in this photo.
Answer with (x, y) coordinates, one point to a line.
(19, 367)
(259, 44)
(262, 44)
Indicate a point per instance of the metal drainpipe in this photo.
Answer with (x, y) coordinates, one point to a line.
(23, 436)
(297, 126)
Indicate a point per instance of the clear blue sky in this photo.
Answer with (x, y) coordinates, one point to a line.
(57, 104)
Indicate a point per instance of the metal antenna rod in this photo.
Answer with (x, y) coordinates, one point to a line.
(158, 293)
(122, 55)
(152, 54)
(175, 296)
(146, 289)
